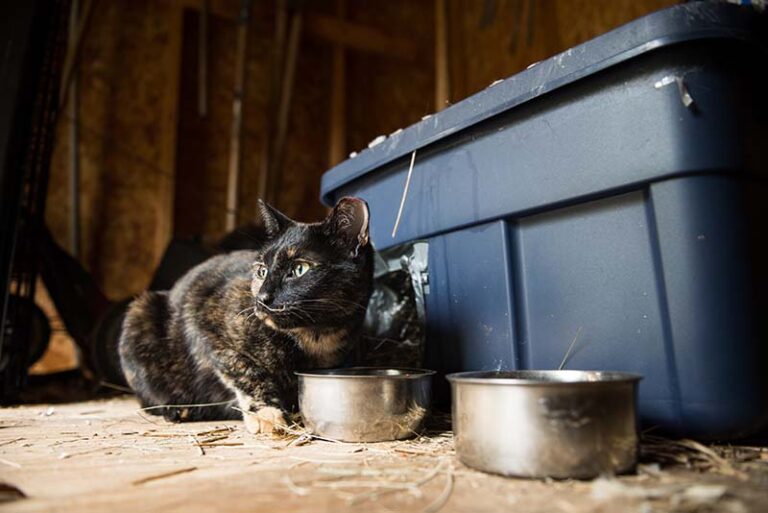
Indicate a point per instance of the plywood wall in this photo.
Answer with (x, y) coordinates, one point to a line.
(494, 39)
(153, 168)
(385, 94)
(203, 141)
(128, 82)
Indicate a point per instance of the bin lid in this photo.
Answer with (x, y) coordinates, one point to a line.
(677, 24)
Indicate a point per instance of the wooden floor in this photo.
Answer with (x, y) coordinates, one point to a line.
(104, 456)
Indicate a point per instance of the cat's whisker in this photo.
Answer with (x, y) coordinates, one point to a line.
(292, 310)
(329, 304)
(270, 309)
(321, 310)
(330, 300)
(326, 309)
(339, 302)
(306, 314)
(241, 312)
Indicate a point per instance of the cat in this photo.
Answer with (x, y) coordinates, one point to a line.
(232, 331)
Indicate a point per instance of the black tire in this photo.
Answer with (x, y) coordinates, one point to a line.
(38, 329)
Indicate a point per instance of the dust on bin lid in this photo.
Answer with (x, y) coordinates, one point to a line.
(677, 24)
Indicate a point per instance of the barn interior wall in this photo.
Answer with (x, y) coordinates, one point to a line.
(153, 168)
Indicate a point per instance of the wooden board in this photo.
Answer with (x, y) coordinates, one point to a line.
(128, 79)
(103, 456)
(496, 39)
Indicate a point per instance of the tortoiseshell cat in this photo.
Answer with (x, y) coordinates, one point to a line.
(237, 326)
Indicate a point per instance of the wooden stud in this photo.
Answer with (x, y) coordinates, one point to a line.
(338, 132)
(281, 24)
(332, 29)
(284, 109)
(362, 38)
(235, 157)
(442, 88)
(202, 60)
(460, 50)
(170, 117)
(74, 138)
(73, 52)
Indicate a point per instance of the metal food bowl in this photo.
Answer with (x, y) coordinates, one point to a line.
(365, 404)
(560, 424)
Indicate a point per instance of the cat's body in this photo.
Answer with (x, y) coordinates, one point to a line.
(234, 329)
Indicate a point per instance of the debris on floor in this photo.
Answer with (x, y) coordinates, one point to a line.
(108, 454)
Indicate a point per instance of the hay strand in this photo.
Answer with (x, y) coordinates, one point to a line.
(164, 475)
(570, 348)
(405, 194)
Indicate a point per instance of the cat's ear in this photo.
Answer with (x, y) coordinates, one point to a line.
(274, 220)
(348, 223)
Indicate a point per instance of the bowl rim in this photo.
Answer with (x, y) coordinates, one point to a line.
(343, 373)
(533, 377)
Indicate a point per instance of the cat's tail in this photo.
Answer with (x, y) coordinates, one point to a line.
(144, 329)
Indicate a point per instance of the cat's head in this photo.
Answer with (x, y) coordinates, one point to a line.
(313, 281)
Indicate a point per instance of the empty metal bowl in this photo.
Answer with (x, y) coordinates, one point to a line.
(560, 424)
(365, 404)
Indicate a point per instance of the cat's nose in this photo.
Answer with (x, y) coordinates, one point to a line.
(264, 297)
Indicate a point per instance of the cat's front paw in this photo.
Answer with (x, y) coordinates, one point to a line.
(268, 420)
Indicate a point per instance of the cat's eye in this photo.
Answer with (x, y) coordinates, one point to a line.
(300, 269)
(261, 271)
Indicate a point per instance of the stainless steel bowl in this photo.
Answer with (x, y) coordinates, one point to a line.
(560, 424)
(365, 404)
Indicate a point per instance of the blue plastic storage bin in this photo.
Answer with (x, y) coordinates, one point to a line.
(618, 188)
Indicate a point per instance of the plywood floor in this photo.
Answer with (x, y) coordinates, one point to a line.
(103, 456)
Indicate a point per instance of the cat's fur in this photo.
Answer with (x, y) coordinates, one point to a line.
(223, 334)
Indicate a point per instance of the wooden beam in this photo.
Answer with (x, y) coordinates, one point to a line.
(362, 38)
(338, 118)
(227, 9)
(275, 70)
(235, 157)
(74, 138)
(170, 124)
(202, 60)
(284, 108)
(331, 29)
(460, 50)
(73, 52)
(442, 89)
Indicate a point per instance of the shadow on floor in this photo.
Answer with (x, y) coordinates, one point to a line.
(66, 387)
